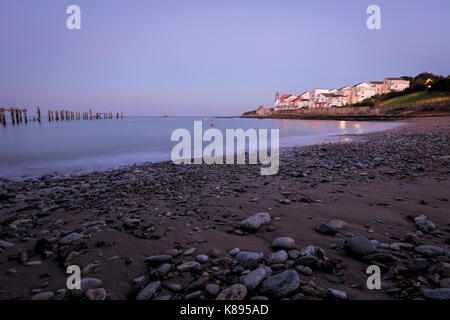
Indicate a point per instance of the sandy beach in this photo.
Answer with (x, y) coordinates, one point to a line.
(164, 231)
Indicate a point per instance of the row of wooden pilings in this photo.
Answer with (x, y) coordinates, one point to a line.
(20, 115)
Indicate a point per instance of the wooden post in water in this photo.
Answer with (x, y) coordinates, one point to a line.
(11, 110)
(20, 115)
(17, 115)
(2, 116)
(25, 115)
(56, 115)
(49, 116)
(121, 115)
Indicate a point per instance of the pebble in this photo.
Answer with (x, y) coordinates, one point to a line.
(254, 278)
(283, 243)
(188, 266)
(202, 258)
(280, 284)
(438, 294)
(234, 292)
(234, 252)
(249, 260)
(254, 222)
(164, 258)
(71, 238)
(96, 294)
(212, 289)
(337, 294)
(43, 296)
(359, 246)
(190, 251)
(149, 291)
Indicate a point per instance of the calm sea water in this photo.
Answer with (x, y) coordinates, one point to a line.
(82, 146)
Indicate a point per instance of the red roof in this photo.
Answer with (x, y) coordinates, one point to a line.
(285, 96)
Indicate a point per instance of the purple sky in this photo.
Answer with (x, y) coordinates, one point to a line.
(197, 57)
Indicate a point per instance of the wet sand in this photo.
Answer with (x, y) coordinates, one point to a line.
(376, 185)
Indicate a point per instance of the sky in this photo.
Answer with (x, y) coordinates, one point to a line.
(208, 57)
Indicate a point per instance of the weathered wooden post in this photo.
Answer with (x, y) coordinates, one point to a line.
(25, 115)
(17, 115)
(56, 115)
(11, 110)
(2, 116)
(49, 116)
(121, 115)
(39, 114)
(90, 114)
(20, 115)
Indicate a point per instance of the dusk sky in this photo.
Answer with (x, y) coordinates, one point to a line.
(148, 57)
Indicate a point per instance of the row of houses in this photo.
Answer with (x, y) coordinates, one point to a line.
(339, 97)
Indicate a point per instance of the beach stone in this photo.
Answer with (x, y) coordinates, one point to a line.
(5, 244)
(139, 279)
(337, 294)
(96, 294)
(197, 284)
(283, 243)
(202, 258)
(429, 250)
(172, 252)
(308, 261)
(293, 254)
(337, 224)
(277, 257)
(299, 296)
(259, 298)
(325, 228)
(43, 296)
(164, 298)
(421, 265)
(249, 260)
(175, 287)
(359, 246)
(438, 294)
(161, 271)
(307, 271)
(131, 223)
(234, 292)
(159, 259)
(70, 238)
(149, 291)
(234, 252)
(255, 221)
(190, 251)
(188, 266)
(212, 289)
(193, 295)
(254, 278)
(423, 224)
(280, 284)
(86, 284)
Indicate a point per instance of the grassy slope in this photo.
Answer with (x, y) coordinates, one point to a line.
(417, 97)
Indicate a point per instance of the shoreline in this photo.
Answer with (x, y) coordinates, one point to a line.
(77, 171)
(110, 222)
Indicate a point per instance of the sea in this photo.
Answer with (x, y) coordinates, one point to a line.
(82, 146)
